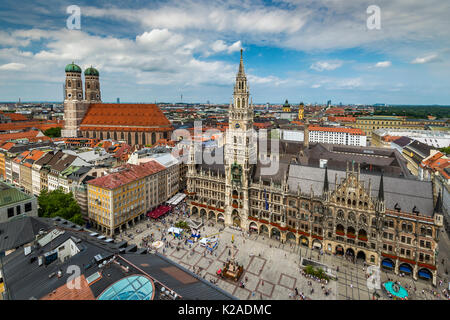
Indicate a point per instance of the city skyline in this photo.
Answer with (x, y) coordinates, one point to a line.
(300, 51)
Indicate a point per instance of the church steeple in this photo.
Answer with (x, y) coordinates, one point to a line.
(241, 92)
(325, 181)
(325, 191)
(438, 206)
(240, 139)
(241, 71)
(381, 189)
(379, 203)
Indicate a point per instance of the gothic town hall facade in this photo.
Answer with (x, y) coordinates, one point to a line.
(390, 222)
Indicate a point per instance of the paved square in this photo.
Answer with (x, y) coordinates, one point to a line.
(204, 263)
(242, 293)
(265, 287)
(256, 265)
(287, 281)
(272, 262)
(179, 254)
(252, 280)
(227, 285)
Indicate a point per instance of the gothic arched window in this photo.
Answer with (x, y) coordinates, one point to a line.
(362, 219)
(351, 216)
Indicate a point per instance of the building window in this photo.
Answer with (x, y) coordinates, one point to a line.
(28, 207)
(18, 210)
(10, 212)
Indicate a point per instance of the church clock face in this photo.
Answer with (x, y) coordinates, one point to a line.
(237, 125)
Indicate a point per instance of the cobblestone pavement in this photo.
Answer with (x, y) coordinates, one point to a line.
(271, 268)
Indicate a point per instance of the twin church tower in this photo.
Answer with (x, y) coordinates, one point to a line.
(75, 102)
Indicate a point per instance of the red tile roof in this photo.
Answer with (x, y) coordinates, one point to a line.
(128, 173)
(125, 117)
(165, 142)
(66, 293)
(437, 162)
(389, 138)
(7, 145)
(342, 119)
(262, 125)
(335, 111)
(16, 117)
(21, 125)
(31, 135)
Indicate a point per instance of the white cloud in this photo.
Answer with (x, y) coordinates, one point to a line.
(426, 59)
(383, 64)
(158, 38)
(157, 56)
(325, 65)
(209, 16)
(315, 86)
(12, 66)
(220, 45)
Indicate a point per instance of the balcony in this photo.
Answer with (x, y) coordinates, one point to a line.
(362, 238)
(351, 235)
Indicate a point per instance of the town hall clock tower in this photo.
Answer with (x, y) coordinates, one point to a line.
(240, 152)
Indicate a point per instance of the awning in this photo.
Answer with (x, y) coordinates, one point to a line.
(317, 244)
(253, 227)
(158, 212)
(424, 274)
(388, 264)
(176, 199)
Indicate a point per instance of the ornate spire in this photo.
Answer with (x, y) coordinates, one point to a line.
(381, 189)
(438, 207)
(325, 181)
(241, 71)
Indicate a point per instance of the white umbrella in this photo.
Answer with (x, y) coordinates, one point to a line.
(157, 244)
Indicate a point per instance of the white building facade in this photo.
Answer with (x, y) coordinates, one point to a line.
(345, 136)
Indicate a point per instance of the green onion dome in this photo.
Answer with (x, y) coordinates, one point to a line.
(72, 67)
(91, 72)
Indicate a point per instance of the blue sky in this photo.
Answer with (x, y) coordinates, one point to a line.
(305, 50)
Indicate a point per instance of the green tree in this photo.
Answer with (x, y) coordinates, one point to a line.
(53, 132)
(56, 203)
(309, 269)
(445, 150)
